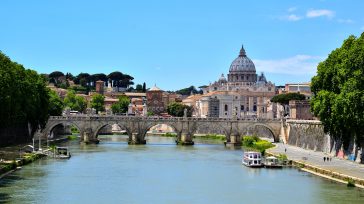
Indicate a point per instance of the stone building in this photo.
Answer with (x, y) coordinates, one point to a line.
(155, 102)
(100, 87)
(242, 94)
(300, 110)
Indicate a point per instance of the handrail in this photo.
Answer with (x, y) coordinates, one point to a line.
(169, 119)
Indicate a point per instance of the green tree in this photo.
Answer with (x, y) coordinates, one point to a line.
(188, 91)
(338, 93)
(177, 109)
(285, 98)
(97, 102)
(56, 77)
(139, 88)
(55, 104)
(121, 106)
(77, 103)
(24, 100)
(82, 79)
(144, 87)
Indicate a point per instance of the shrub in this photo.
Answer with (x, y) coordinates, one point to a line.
(351, 183)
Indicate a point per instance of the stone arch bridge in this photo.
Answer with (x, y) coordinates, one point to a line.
(185, 127)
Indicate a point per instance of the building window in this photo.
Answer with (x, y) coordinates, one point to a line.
(242, 107)
(226, 107)
(254, 108)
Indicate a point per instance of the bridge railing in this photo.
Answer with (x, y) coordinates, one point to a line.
(155, 118)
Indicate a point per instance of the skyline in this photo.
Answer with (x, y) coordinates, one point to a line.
(177, 44)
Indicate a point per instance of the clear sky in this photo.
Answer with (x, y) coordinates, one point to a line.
(177, 43)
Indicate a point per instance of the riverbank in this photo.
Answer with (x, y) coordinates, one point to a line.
(8, 166)
(337, 170)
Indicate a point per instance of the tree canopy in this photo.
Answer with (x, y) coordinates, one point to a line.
(120, 79)
(285, 98)
(97, 102)
(77, 103)
(338, 92)
(55, 104)
(188, 91)
(177, 109)
(121, 106)
(24, 99)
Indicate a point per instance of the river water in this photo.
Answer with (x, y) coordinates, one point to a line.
(161, 172)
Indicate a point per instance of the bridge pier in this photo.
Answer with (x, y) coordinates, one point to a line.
(235, 141)
(87, 137)
(185, 139)
(136, 139)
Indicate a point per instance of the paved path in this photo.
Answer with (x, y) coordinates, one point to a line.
(316, 159)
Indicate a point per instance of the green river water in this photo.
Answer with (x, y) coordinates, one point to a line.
(162, 172)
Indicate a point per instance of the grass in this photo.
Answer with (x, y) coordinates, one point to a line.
(282, 157)
(212, 136)
(26, 159)
(256, 144)
(72, 137)
(168, 134)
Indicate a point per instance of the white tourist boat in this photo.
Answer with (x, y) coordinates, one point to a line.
(252, 159)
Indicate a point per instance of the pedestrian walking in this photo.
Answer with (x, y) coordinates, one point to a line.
(285, 149)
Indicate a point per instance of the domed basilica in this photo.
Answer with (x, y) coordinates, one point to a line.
(242, 94)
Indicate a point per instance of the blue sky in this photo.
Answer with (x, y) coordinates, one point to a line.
(177, 43)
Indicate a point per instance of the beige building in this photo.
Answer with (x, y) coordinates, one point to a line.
(244, 94)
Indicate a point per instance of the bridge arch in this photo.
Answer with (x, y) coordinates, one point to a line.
(212, 128)
(48, 130)
(109, 123)
(153, 124)
(266, 127)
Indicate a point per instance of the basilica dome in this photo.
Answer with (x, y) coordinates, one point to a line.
(242, 63)
(242, 69)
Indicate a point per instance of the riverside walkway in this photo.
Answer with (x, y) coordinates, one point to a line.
(315, 159)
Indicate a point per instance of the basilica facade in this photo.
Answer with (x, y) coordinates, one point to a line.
(243, 94)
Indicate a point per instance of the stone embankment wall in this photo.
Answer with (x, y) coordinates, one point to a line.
(309, 134)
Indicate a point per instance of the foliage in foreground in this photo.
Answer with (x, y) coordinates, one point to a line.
(338, 92)
(24, 100)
